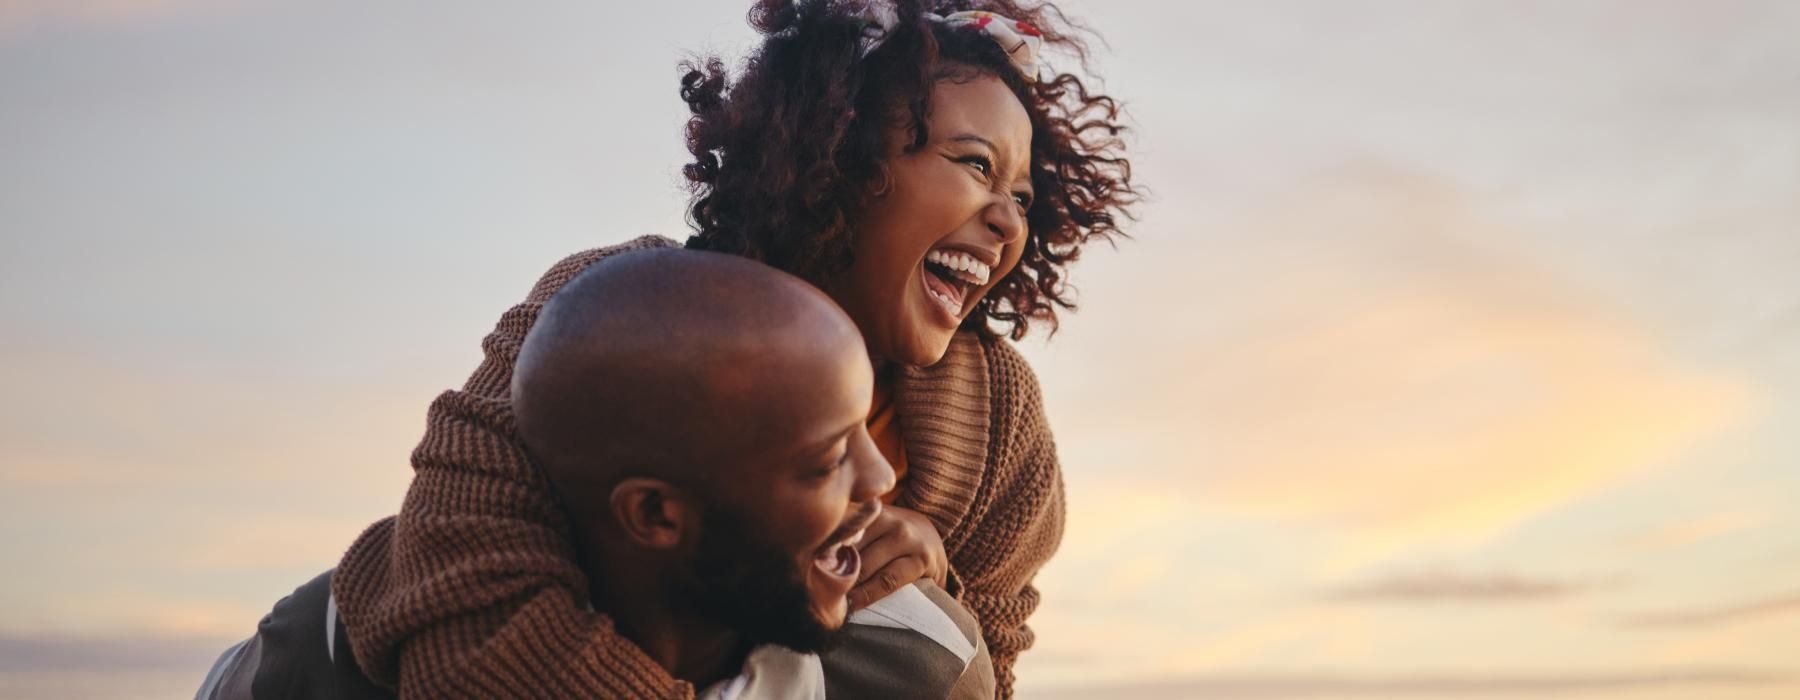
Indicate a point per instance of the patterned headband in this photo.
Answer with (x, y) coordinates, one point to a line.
(1019, 40)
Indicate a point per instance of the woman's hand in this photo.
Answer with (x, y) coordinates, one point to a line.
(901, 547)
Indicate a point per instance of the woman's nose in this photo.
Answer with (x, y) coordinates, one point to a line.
(1005, 221)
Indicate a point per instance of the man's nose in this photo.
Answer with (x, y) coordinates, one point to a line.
(874, 475)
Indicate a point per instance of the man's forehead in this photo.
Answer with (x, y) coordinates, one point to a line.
(782, 419)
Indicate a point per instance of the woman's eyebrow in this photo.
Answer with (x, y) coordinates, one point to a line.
(976, 139)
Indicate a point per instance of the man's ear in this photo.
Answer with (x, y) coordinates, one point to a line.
(652, 513)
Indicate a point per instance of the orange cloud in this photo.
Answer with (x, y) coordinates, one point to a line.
(129, 482)
(1373, 356)
(88, 421)
(1446, 586)
(1715, 683)
(1781, 605)
(1686, 532)
(1307, 632)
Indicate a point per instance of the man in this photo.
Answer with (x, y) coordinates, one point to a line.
(701, 418)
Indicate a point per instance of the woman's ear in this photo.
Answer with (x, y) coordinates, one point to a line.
(884, 184)
(652, 513)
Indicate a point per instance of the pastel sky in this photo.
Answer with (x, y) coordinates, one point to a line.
(1457, 353)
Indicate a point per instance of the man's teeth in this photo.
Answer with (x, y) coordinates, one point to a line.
(851, 541)
(963, 264)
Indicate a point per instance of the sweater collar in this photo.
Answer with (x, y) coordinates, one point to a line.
(944, 421)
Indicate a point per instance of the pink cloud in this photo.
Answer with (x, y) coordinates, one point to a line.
(1441, 586)
(1746, 611)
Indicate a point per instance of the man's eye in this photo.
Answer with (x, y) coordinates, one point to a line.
(835, 465)
(1024, 200)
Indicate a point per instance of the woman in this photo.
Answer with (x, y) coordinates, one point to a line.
(921, 169)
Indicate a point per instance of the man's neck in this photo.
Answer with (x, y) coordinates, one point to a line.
(689, 648)
(700, 655)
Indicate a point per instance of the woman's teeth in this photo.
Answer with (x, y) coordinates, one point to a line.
(963, 265)
(944, 293)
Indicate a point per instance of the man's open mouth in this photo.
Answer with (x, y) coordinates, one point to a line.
(840, 559)
(950, 275)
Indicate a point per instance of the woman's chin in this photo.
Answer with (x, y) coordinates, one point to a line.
(925, 349)
(917, 337)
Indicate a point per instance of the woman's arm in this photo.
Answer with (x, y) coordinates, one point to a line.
(1016, 521)
(473, 590)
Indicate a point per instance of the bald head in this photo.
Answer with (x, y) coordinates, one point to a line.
(671, 364)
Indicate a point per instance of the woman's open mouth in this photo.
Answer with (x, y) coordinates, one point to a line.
(949, 277)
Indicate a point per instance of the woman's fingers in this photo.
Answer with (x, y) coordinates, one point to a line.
(886, 580)
(926, 542)
(878, 550)
(900, 547)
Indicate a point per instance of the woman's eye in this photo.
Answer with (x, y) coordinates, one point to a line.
(980, 163)
(1023, 199)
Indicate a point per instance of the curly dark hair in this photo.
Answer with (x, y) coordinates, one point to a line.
(785, 156)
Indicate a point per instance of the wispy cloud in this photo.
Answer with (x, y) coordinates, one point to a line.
(1454, 587)
(1332, 685)
(1741, 612)
(58, 652)
(1685, 532)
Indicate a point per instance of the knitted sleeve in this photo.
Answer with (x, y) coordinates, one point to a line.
(1016, 521)
(473, 590)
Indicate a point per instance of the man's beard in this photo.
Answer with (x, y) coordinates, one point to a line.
(748, 584)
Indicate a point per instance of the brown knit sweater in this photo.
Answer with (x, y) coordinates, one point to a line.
(473, 590)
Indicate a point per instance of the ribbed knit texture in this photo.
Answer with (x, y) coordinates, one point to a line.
(473, 591)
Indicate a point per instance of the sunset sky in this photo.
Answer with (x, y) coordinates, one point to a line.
(1456, 354)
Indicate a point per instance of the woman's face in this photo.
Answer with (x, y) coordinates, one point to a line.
(950, 225)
